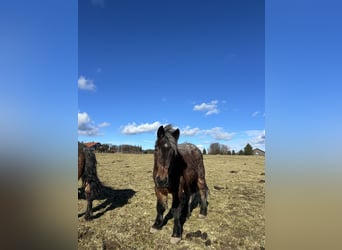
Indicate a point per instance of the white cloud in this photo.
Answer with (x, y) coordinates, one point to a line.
(209, 108)
(257, 137)
(187, 131)
(255, 113)
(133, 128)
(218, 133)
(200, 146)
(104, 124)
(86, 84)
(260, 139)
(87, 127)
(83, 118)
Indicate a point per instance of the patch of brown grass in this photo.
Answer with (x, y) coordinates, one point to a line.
(235, 213)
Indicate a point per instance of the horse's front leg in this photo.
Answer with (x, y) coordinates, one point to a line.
(161, 194)
(180, 213)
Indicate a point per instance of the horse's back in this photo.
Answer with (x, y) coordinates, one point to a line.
(193, 157)
(188, 148)
(190, 151)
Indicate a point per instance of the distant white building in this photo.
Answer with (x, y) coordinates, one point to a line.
(258, 151)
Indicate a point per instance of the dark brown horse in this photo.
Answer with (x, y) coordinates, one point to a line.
(81, 162)
(87, 172)
(179, 170)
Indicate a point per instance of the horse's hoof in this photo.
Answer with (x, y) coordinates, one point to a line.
(175, 240)
(153, 230)
(201, 216)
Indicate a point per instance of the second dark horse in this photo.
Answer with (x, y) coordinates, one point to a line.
(87, 172)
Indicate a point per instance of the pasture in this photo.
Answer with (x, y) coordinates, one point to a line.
(125, 213)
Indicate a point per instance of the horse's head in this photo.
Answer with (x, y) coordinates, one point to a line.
(165, 151)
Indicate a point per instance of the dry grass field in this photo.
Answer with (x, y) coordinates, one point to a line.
(124, 215)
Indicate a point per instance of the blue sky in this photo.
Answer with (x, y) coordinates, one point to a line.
(198, 65)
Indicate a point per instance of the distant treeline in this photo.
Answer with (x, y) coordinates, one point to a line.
(214, 149)
(221, 149)
(124, 148)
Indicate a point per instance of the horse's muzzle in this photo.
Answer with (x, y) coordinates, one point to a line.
(162, 182)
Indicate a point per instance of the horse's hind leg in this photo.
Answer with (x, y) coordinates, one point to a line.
(190, 204)
(203, 190)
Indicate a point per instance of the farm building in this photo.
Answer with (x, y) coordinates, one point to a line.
(257, 151)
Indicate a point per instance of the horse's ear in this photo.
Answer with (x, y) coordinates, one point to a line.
(176, 134)
(161, 132)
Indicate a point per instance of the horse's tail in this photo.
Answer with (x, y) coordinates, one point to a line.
(93, 185)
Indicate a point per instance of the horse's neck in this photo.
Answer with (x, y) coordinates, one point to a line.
(177, 164)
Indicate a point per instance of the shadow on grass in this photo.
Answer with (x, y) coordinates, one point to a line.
(113, 198)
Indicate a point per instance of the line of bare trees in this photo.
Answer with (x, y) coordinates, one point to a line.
(217, 148)
(126, 149)
(214, 149)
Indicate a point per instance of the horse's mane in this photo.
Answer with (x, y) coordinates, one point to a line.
(169, 135)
